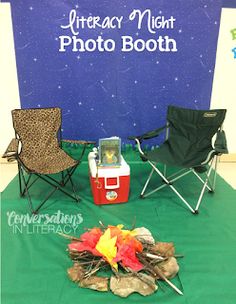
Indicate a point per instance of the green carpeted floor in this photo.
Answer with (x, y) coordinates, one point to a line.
(34, 257)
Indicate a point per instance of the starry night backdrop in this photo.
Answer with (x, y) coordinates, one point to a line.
(118, 93)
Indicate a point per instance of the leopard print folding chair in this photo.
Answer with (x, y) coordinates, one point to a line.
(38, 151)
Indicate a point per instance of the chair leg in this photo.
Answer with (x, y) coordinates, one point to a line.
(58, 187)
(146, 184)
(19, 178)
(199, 177)
(170, 177)
(183, 200)
(215, 173)
(26, 190)
(73, 187)
(168, 182)
(70, 172)
(172, 187)
(27, 184)
(155, 190)
(204, 187)
(24, 185)
(21, 171)
(62, 183)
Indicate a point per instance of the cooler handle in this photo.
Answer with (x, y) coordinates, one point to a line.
(112, 186)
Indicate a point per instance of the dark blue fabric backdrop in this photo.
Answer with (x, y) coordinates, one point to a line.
(229, 3)
(117, 92)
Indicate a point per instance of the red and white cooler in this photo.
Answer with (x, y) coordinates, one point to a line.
(110, 185)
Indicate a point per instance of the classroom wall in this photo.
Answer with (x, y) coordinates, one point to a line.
(224, 93)
(9, 93)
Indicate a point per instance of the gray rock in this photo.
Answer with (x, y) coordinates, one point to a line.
(144, 236)
(128, 284)
(169, 267)
(95, 283)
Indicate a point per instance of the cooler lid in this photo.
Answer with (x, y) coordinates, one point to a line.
(123, 170)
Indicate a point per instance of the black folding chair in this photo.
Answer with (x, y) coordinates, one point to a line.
(37, 147)
(188, 145)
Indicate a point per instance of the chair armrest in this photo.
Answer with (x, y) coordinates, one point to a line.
(149, 135)
(220, 144)
(12, 150)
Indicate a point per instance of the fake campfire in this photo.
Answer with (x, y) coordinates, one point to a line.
(124, 261)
